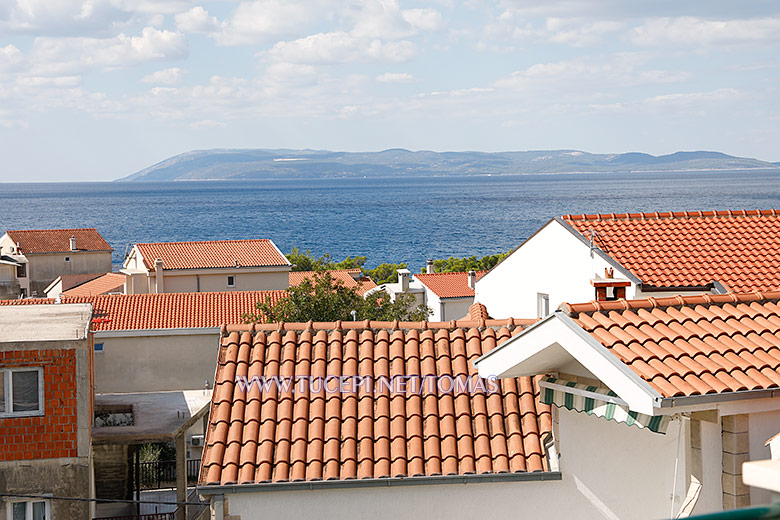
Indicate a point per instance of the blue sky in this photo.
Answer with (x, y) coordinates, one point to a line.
(98, 89)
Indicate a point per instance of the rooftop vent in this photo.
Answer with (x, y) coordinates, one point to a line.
(73, 243)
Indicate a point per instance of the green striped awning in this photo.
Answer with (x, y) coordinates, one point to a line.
(598, 401)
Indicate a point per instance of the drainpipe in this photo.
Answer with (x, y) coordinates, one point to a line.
(472, 279)
(158, 276)
(218, 503)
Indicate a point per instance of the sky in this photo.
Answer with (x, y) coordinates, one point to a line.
(94, 90)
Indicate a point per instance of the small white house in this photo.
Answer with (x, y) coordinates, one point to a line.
(206, 266)
(579, 258)
(659, 402)
(448, 295)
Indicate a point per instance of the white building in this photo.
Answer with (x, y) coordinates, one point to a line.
(604, 257)
(448, 295)
(207, 266)
(704, 370)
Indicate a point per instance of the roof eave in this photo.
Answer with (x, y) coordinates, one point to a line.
(477, 478)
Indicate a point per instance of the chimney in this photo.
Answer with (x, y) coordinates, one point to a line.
(158, 276)
(429, 266)
(403, 278)
(472, 279)
(72, 243)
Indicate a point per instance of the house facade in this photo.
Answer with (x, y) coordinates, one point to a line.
(208, 266)
(40, 256)
(449, 295)
(638, 255)
(46, 406)
(704, 371)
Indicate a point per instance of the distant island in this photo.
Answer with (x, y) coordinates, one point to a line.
(260, 164)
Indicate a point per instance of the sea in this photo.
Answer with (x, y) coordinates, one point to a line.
(385, 219)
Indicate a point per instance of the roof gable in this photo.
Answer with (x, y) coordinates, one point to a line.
(40, 241)
(213, 254)
(740, 249)
(280, 435)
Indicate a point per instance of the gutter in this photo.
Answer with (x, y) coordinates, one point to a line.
(692, 400)
(536, 476)
(134, 333)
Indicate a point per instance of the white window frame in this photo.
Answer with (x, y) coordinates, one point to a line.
(542, 305)
(228, 280)
(28, 512)
(67, 259)
(101, 349)
(9, 392)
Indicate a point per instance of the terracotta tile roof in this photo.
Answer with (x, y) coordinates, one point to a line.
(58, 240)
(346, 276)
(738, 248)
(691, 345)
(280, 436)
(448, 285)
(213, 254)
(477, 311)
(27, 301)
(103, 284)
(172, 310)
(69, 281)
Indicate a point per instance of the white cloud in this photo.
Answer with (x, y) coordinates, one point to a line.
(253, 22)
(58, 56)
(395, 77)
(341, 47)
(423, 19)
(697, 31)
(11, 58)
(165, 77)
(197, 20)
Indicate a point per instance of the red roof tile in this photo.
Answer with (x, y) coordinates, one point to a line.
(213, 254)
(104, 284)
(280, 435)
(448, 285)
(165, 311)
(740, 249)
(477, 311)
(691, 345)
(346, 276)
(69, 281)
(58, 240)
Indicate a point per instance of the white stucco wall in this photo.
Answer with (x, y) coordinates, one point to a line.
(711, 497)
(763, 426)
(629, 470)
(155, 363)
(217, 282)
(553, 262)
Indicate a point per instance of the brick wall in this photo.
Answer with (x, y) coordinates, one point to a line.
(54, 434)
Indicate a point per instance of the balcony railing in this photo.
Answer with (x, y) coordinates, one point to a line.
(162, 474)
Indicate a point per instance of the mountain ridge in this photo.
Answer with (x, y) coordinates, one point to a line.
(284, 163)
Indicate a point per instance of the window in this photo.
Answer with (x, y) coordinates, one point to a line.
(231, 281)
(99, 347)
(67, 259)
(21, 391)
(29, 510)
(542, 304)
(21, 271)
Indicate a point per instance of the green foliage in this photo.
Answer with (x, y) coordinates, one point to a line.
(459, 265)
(384, 273)
(321, 298)
(308, 262)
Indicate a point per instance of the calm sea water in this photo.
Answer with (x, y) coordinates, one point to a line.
(407, 219)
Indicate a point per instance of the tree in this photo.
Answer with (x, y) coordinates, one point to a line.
(470, 263)
(384, 273)
(308, 262)
(322, 298)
